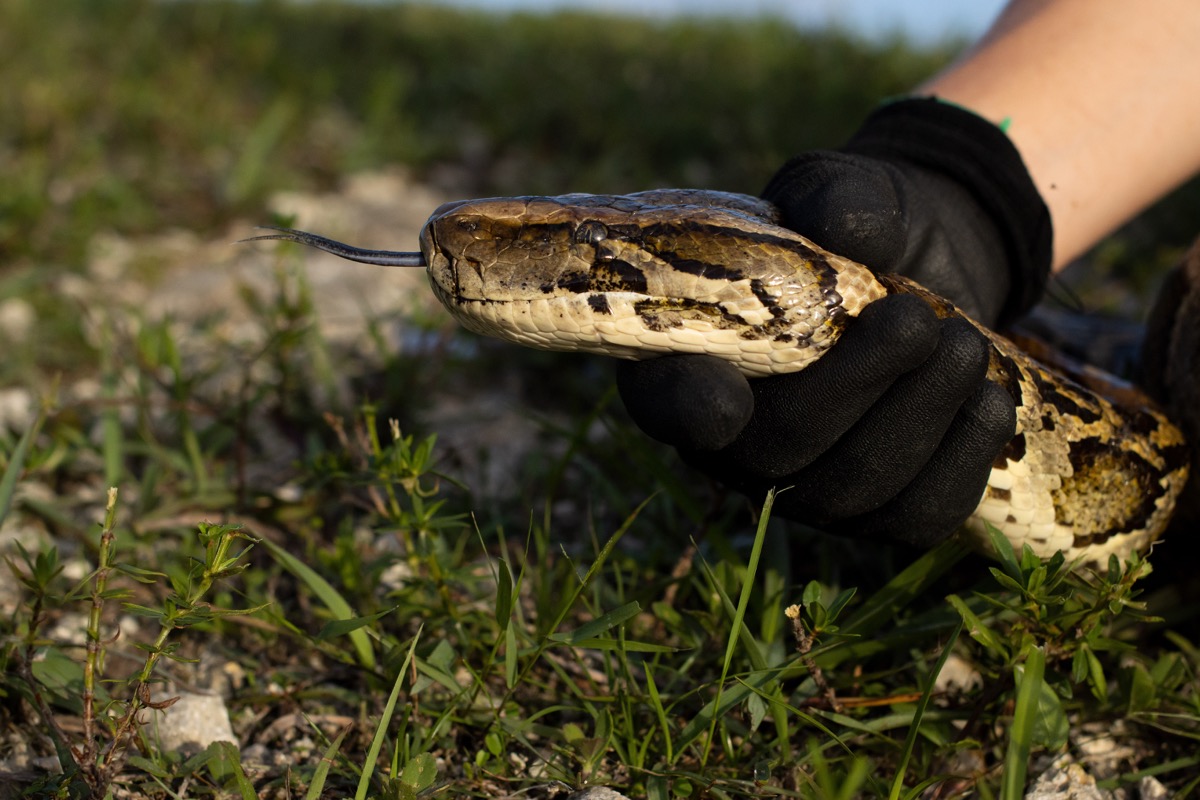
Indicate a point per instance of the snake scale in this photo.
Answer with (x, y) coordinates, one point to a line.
(669, 271)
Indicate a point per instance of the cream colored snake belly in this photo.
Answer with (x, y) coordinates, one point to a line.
(671, 271)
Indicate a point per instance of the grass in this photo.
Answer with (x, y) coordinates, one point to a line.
(386, 629)
(587, 643)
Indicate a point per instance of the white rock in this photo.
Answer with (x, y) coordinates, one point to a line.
(1151, 788)
(1103, 748)
(16, 409)
(16, 319)
(1066, 780)
(598, 793)
(958, 675)
(193, 723)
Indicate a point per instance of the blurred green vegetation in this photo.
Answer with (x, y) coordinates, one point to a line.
(134, 115)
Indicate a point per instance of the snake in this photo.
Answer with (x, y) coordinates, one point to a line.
(1094, 468)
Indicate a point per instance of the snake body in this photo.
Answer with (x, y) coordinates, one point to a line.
(670, 271)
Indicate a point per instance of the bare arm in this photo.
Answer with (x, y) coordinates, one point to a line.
(1103, 98)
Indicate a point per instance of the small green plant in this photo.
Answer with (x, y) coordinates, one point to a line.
(1071, 613)
(112, 708)
(1048, 630)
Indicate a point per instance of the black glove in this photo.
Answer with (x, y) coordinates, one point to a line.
(893, 431)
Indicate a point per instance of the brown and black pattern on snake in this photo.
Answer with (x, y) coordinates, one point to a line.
(668, 271)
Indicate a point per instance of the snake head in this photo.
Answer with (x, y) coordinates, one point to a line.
(635, 276)
(500, 250)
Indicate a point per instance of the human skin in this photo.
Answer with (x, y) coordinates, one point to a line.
(1101, 97)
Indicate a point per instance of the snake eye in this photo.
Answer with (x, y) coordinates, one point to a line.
(590, 232)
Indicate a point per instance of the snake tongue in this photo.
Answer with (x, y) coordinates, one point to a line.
(382, 258)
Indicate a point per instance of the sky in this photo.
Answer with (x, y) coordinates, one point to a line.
(922, 21)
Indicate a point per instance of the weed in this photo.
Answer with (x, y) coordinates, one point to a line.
(111, 708)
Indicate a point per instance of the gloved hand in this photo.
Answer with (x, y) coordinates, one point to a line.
(892, 433)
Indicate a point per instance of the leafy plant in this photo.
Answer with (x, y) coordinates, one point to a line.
(111, 709)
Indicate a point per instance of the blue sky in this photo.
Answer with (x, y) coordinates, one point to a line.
(921, 20)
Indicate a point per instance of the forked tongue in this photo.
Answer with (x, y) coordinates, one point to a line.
(382, 258)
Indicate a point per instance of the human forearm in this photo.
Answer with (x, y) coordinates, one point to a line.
(1103, 102)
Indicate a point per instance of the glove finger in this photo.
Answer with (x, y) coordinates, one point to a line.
(798, 417)
(693, 402)
(847, 204)
(950, 486)
(892, 443)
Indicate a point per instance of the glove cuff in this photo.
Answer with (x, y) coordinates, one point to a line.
(978, 155)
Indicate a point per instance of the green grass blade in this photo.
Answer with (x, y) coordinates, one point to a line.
(1189, 763)
(113, 440)
(768, 680)
(364, 780)
(659, 712)
(224, 761)
(740, 615)
(1020, 736)
(623, 645)
(344, 627)
(569, 601)
(255, 154)
(322, 772)
(511, 651)
(589, 631)
(505, 596)
(765, 679)
(16, 465)
(725, 702)
(1004, 553)
(910, 741)
(978, 630)
(336, 604)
